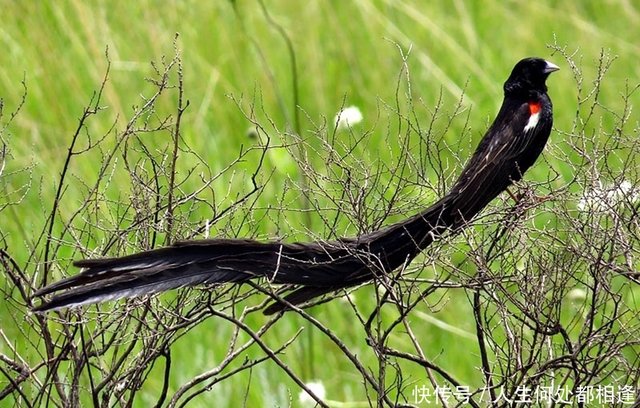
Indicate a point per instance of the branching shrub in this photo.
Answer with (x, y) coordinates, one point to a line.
(548, 282)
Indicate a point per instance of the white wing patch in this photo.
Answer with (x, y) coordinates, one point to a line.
(533, 121)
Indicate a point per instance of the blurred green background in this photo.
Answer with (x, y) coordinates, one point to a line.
(347, 54)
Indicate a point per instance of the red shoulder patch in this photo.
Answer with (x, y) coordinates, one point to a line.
(534, 107)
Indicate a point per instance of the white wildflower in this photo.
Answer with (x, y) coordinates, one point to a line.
(577, 294)
(348, 117)
(317, 388)
(601, 199)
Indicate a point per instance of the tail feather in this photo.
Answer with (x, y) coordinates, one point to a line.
(319, 267)
(99, 291)
(314, 269)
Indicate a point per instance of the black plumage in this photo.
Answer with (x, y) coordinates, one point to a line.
(511, 145)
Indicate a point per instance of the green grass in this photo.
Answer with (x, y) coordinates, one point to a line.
(346, 52)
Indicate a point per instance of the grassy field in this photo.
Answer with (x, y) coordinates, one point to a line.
(234, 58)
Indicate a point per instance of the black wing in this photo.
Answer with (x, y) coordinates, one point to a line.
(502, 157)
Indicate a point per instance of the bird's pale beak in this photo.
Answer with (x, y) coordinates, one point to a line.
(551, 67)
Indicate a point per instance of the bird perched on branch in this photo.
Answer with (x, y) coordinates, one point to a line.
(511, 145)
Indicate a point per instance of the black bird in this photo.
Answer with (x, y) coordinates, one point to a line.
(511, 145)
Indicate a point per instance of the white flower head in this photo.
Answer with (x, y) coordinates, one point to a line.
(317, 388)
(602, 200)
(577, 294)
(348, 117)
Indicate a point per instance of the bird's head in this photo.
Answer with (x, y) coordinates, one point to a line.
(529, 75)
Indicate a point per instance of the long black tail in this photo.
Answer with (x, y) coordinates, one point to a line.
(316, 268)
